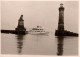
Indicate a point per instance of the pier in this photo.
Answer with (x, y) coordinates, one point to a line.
(61, 31)
(65, 33)
(20, 28)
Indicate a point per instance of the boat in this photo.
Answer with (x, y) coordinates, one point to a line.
(38, 30)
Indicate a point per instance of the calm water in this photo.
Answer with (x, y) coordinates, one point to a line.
(43, 14)
(38, 44)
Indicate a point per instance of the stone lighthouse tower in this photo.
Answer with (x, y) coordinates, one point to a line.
(20, 28)
(61, 18)
(61, 31)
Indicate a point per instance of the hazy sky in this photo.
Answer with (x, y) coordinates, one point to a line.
(44, 13)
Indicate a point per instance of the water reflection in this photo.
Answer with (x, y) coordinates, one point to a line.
(20, 43)
(60, 40)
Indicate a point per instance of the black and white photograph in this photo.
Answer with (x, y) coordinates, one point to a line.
(48, 28)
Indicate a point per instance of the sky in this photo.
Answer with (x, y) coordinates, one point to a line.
(42, 13)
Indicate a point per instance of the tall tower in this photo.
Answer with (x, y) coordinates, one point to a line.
(20, 26)
(61, 18)
(61, 31)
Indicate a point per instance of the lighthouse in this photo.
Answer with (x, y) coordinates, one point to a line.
(20, 28)
(61, 18)
(60, 30)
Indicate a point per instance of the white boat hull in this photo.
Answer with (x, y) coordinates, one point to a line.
(38, 33)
